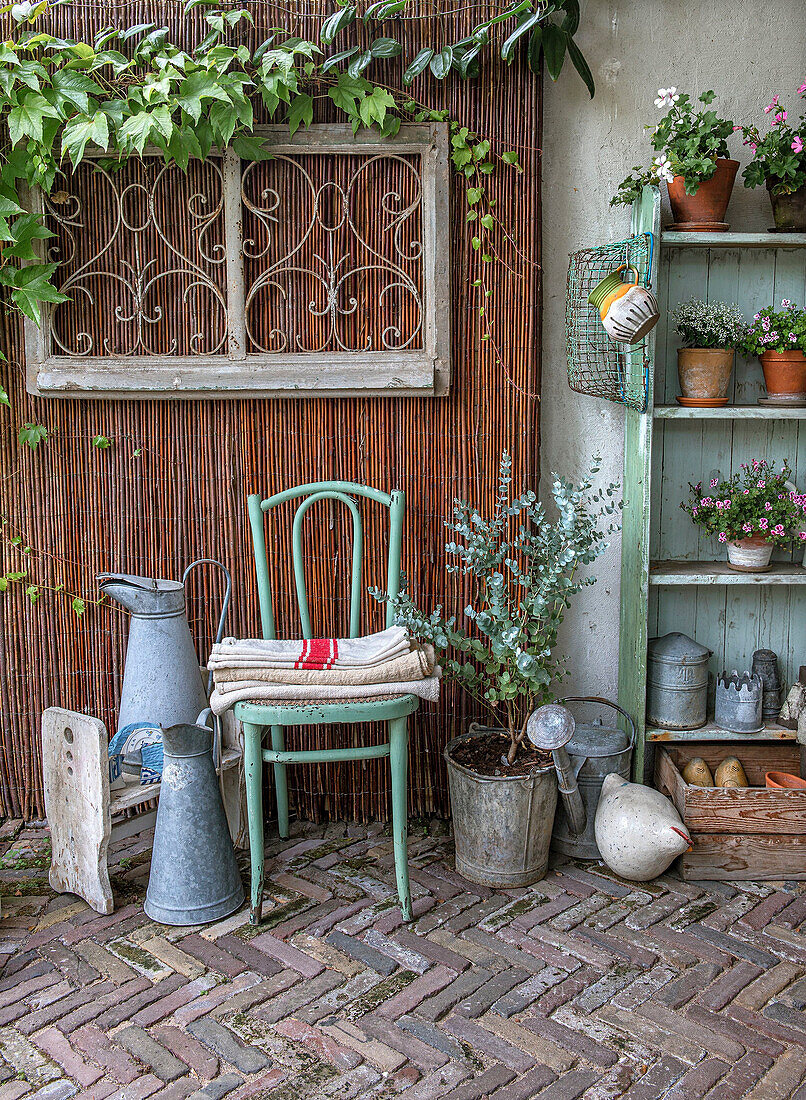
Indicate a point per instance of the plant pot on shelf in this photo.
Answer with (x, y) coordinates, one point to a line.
(784, 372)
(788, 211)
(704, 375)
(501, 823)
(704, 211)
(750, 555)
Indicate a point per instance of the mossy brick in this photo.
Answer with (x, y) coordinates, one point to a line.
(144, 1047)
(242, 1056)
(214, 1090)
(363, 952)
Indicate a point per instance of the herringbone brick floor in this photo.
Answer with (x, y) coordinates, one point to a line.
(582, 986)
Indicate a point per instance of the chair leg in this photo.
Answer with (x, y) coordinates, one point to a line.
(399, 761)
(280, 782)
(253, 770)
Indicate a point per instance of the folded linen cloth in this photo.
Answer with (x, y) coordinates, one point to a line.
(419, 662)
(254, 691)
(311, 653)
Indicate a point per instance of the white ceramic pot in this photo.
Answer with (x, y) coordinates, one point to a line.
(632, 316)
(638, 830)
(750, 555)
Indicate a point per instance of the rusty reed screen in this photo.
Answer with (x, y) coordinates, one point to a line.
(173, 485)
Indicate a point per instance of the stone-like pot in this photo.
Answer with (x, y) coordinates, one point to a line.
(788, 211)
(784, 372)
(704, 373)
(704, 211)
(501, 824)
(750, 555)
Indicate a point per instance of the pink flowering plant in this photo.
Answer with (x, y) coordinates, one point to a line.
(776, 330)
(688, 141)
(755, 503)
(779, 156)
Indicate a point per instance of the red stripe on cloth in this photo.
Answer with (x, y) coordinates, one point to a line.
(319, 653)
(303, 655)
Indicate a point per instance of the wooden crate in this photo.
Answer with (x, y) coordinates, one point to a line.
(738, 833)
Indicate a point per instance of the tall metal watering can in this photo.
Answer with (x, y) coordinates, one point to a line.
(162, 683)
(595, 750)
(194, 877)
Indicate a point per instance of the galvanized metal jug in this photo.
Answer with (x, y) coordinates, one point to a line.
(595, 750)
(194, 877)
(677, 682)
(162, 682)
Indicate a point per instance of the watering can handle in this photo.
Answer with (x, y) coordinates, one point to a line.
(606, 703)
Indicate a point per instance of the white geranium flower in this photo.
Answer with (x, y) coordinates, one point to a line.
(666, 97)
(662, 168)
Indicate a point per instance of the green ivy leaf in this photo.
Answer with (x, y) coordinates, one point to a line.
(78, 606)
(509, 44)
(441, 63)
(82, 129)
(300, 112)
(251, 148)
(31, 285)
(101, 442)
(336, 59)
(32, 435)
(340, 19)
(195, 89)
(26, 120)
(385, 47)
(581, 66)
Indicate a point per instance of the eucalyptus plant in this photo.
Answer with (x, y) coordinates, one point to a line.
(524, 569)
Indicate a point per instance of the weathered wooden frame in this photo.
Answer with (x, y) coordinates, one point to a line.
(423, 372)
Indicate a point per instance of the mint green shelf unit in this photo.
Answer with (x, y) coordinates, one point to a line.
(672, 576)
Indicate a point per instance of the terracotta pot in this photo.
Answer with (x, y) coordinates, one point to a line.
(704, 211)
(788, 211)
(704, 373)
(784, 371)
(750, 555)
(785, 781)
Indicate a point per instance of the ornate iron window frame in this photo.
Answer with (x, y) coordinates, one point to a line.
(241, 373)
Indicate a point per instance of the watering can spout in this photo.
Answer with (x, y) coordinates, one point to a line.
(551, 727)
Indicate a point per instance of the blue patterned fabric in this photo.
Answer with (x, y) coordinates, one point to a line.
(138, 737)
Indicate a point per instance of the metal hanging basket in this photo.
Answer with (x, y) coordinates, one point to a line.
(597, 365)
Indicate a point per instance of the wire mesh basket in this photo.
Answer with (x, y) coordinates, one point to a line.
(597, 365)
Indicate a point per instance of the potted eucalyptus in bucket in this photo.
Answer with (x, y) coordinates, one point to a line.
(525, 569)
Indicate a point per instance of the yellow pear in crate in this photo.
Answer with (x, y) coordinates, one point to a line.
(697, 773)
(730, 773)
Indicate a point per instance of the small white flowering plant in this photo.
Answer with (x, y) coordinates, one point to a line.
(709, 324)
(755, 503)
(688, 142)
(776, 330)
(525, 568)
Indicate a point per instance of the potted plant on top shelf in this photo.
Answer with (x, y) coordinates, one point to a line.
(779, 162)
(694, 161)
(751, 512)
(778, 338)
(710, 332)
(525, 568)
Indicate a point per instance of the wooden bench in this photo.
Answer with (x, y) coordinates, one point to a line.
(84, 815)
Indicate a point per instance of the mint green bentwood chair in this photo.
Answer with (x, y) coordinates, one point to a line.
(257, 717)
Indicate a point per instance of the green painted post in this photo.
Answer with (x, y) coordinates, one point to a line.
(280, 782)
(635, 521)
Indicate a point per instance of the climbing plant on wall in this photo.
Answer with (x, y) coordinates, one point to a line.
(131, 88)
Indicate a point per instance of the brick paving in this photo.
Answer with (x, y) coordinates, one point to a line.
(582, 987)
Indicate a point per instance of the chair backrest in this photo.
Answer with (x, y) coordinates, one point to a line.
(345, 491)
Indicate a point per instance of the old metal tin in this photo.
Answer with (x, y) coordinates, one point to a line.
(738, 702)
(677, 682)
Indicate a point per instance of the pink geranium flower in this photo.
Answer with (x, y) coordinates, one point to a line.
(797, 144)
(763, 524)
(723, 537)
(802, 89)
(773, 105)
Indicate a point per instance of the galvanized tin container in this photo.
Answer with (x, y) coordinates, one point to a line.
(595, 750)
(677, 682)
(738, 702)
(501, 823)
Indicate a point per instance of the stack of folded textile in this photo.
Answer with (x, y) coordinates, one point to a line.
(322, 669)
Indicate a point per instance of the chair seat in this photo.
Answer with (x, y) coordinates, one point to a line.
(380, 708)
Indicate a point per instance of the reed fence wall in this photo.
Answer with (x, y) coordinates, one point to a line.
(172, 487)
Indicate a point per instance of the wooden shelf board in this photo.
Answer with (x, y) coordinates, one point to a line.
(729, 412)
(673, 239)
(719, 572)
(712, 732)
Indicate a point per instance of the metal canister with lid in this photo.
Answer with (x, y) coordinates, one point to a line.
(677, 682)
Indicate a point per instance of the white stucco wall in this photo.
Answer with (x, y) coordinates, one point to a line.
(746, 53)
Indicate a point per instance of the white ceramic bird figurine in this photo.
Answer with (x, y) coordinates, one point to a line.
(638, 830)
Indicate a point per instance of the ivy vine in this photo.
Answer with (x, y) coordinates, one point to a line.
(132, 88)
